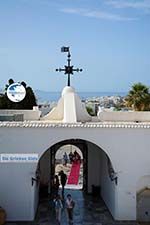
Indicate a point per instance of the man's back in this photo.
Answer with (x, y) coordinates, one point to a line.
(63, 178)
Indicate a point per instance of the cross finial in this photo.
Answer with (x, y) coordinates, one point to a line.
(68, 69)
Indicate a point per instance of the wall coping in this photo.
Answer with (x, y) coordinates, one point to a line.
(39, 124)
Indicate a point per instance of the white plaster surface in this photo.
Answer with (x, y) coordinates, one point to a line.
(69, 109)
(127, 148)
(27, 114)
(124, 116)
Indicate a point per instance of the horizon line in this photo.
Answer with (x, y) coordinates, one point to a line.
(82, 91)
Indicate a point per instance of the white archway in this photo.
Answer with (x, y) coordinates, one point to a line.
(121, 144)
(100, 170)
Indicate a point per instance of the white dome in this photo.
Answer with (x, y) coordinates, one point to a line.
(67, 90)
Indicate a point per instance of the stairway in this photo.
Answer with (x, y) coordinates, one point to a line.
(74, 174)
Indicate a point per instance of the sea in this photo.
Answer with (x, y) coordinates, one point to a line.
(44, 96)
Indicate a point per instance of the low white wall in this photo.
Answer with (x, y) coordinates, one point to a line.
(27, 114)
(124, 116)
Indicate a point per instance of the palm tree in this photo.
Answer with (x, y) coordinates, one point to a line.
(138, 97)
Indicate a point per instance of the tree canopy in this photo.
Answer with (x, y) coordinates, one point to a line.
(27, 103)
(90, 111)
(138, 97)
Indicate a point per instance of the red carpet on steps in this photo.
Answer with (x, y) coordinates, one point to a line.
(74, 173)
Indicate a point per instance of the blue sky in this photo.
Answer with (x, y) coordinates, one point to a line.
(109, 39)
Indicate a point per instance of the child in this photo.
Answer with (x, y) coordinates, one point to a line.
(70, 204)
(58, 208)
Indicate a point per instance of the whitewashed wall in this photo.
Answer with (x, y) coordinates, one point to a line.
(16, 191)
(128, 149)
(27, 114)
(124, 116)
(108, 187)
(98, 176)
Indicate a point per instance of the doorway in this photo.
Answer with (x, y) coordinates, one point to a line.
(99, 177)
(56, 155)
(69, 159)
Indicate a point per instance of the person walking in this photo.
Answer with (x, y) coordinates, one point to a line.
(55, 185)
(65, 159)
(58, 208)
(71, 157)
(63, 180)
(70, 204)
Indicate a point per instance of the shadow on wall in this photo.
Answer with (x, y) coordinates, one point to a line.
(143, 199)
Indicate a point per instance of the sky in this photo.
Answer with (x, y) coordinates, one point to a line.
(108, 39)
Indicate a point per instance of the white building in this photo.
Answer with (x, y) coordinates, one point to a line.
(115, 149)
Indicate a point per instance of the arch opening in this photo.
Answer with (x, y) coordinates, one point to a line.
(69, 159)
(98, 178)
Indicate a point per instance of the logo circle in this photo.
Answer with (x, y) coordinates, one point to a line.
(16, 92)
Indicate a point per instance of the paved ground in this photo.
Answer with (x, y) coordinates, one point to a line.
(88, 211)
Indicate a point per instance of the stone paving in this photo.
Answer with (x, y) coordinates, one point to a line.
(88, 211)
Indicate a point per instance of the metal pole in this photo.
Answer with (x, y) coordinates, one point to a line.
(69, 63)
